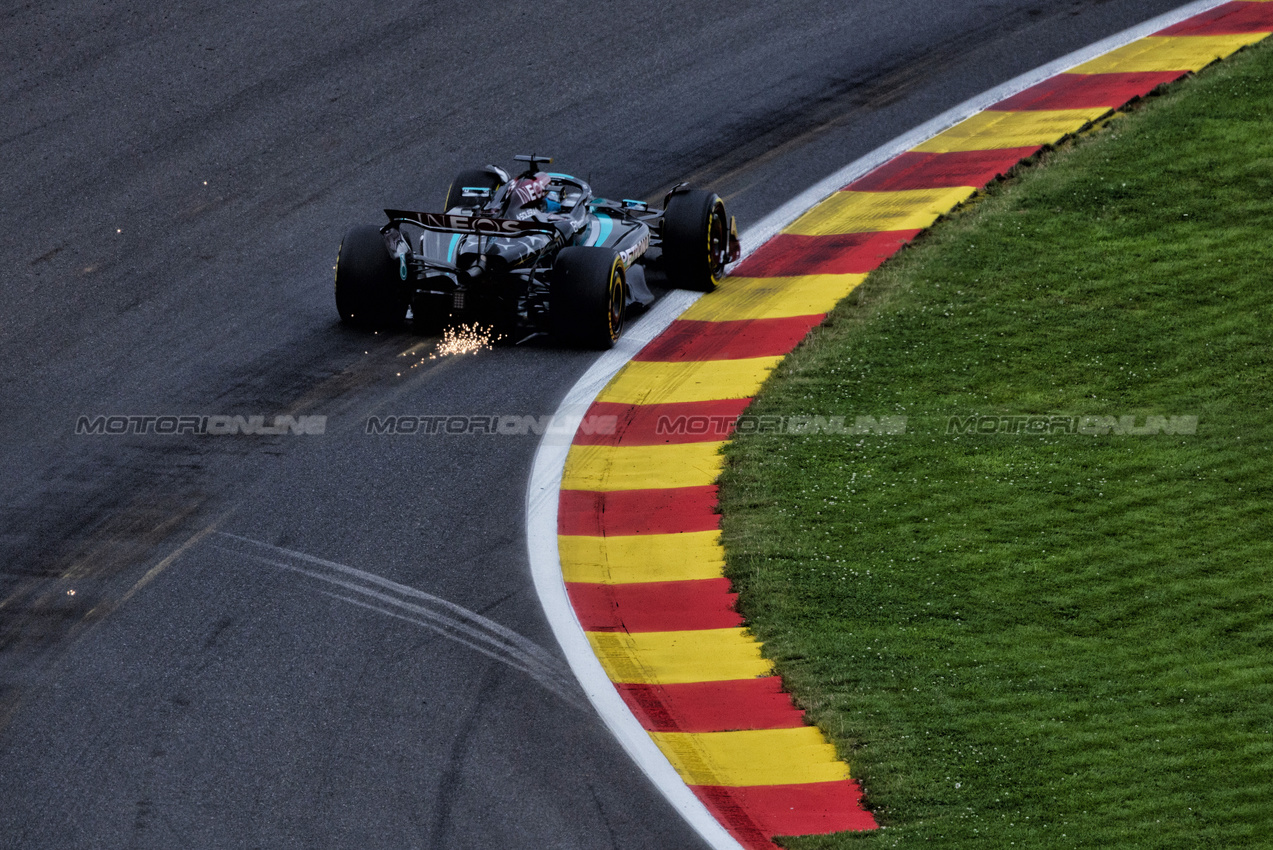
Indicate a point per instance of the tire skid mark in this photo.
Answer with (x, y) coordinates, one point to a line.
(452, 621)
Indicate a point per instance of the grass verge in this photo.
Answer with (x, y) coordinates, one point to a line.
(1043, 639)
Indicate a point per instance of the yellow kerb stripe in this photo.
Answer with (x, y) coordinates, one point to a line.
(764, 757)
(996, 130)
(667, 658)
(740, 298)
(641, 467)
(863, 212)
(1168, 53)
(637, 558)
(644, 382)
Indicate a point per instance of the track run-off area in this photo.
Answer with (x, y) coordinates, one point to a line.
(333, 638)
(633, 533)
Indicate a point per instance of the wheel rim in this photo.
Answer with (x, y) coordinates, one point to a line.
(717, 241)
(616, 301)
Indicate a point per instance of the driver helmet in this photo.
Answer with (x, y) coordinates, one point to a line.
(529, 193)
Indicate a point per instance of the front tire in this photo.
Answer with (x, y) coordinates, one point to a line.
(369, 287)
(695, 240)
(587, 296)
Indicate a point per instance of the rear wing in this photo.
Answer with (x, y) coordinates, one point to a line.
(476, 224)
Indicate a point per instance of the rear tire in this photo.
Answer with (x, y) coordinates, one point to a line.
(469, 177)
(587, 296)
(369, 287)
(695, 240)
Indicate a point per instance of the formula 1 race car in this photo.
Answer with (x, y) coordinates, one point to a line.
(530, 254)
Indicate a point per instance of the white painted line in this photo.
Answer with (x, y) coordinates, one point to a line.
(545, 567)
(550, 458)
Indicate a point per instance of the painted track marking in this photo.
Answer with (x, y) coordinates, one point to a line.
(877, 202)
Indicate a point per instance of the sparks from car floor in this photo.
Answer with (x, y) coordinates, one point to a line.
(466, 339)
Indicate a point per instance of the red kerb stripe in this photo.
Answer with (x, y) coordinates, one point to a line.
(659, 424)
(659, 606)
(815, 808)
(622, 512)
(789, 254)
(1083, 91)
(1229, 19)
(686, 340)
(713, 706)
(914, 170)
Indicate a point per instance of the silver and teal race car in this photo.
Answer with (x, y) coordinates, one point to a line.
(535, 253)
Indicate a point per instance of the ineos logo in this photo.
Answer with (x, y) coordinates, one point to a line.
(484, 225)
(465, 224)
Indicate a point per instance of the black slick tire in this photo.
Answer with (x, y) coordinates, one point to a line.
(587, 297)
(369, 287)
(695, 240)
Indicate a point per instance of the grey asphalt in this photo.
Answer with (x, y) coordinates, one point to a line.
(332, 640)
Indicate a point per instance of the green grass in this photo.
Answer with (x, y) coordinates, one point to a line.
(1055, 640)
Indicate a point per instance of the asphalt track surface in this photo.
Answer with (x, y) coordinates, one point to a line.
(333, 640)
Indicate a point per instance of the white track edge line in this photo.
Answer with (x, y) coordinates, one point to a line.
(550, 457)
